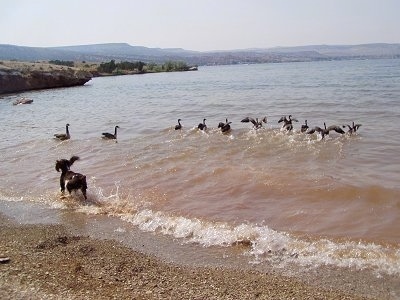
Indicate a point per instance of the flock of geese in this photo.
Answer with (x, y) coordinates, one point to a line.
(225, 127)
(67, 135)
(287, 125)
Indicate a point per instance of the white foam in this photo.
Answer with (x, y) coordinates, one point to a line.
(119, 229)
(283, 250)
(267, 245)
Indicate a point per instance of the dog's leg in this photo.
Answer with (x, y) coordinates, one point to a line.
(62, 186)
(62, 183)
(84, 193)
(84, 187)
(69, 189)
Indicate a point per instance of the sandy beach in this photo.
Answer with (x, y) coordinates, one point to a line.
(49, 262)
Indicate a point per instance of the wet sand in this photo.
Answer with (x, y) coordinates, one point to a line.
(51, 262)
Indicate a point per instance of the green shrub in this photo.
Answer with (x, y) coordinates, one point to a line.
(62, 63)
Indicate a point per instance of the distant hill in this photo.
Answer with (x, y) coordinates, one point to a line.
(373, 50)
(123, 49)
(126, 52)
(96, 53)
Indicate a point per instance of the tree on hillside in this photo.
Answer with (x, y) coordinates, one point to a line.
(107, 67)
(171, 66)
(62, 63)
(111, 66)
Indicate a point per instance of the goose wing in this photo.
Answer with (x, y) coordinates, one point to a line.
(108, 135)
(226, 127)
(282, 119)
(248, 119)
(348, 126)
(61, 136)
(335, 128)
(315, 129)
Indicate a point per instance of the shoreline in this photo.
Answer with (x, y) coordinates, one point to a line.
(52, 260)
(24, 76)
(47, 261)
(18, 77)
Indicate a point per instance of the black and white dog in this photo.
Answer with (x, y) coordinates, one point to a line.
(70, 180)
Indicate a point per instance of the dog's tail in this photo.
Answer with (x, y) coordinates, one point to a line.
(73, 159)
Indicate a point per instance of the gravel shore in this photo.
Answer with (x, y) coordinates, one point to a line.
(48, 262)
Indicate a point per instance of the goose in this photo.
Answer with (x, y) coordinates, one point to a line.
(287, 123)
(225, 127)
(353, 128)
(63, 136)
(110, 136)
(179, 126)
(257, 124)
(325, 131)
(304, 127)
(202, 126)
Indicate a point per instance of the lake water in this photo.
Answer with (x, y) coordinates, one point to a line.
(288, 197)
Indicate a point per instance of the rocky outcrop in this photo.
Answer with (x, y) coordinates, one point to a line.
(17, 79)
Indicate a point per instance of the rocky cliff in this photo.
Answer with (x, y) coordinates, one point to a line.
(19, 76)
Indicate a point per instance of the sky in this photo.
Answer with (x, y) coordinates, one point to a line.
(202, 25)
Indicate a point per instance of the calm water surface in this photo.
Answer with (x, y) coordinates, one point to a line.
(290, 196)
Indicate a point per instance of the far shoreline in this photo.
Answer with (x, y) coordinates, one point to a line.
(24, 76)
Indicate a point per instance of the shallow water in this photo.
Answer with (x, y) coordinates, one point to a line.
(292, 197)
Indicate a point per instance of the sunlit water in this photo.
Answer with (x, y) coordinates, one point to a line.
(291, 197)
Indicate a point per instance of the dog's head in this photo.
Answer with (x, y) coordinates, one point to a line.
(65, 164)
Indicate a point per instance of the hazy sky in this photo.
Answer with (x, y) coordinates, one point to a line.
(199, 24)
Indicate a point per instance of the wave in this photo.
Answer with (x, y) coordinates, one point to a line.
(267, 245)
(261, 244)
